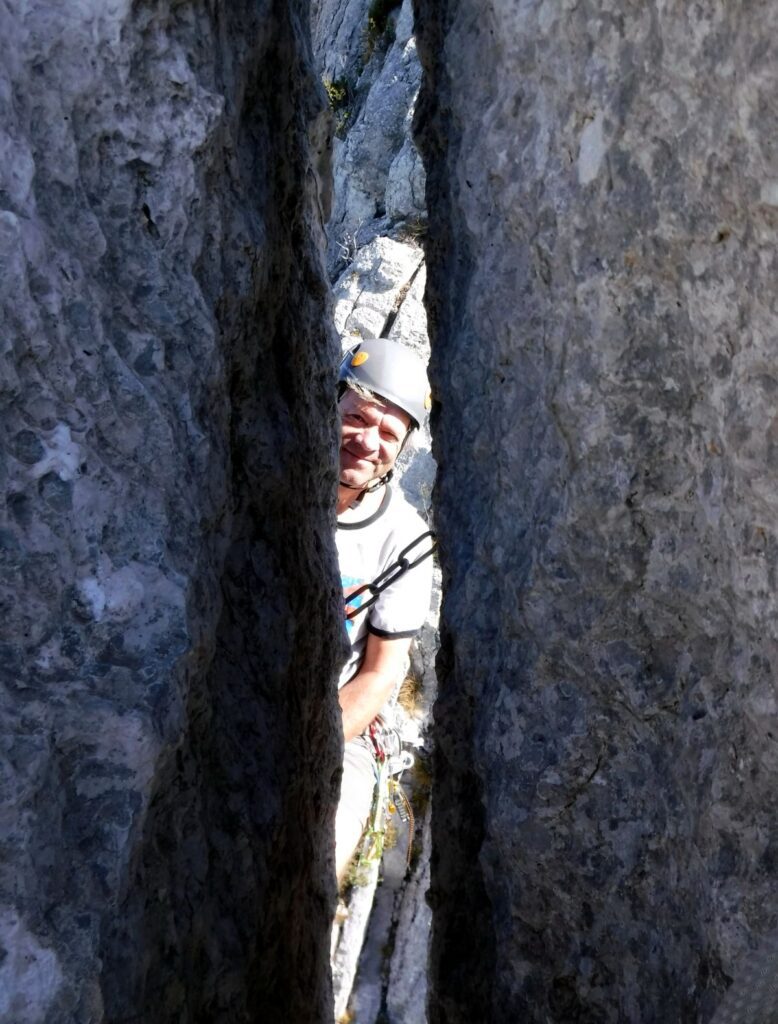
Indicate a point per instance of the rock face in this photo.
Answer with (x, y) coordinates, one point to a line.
(170, 624)
(366, 52)
(603, 203)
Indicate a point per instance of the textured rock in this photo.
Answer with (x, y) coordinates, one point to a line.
(339, 29)
(379, 178)
(406, 997)
(390, 984)
(348, 939)
(601, 296)
(370, 292)
(405, 182)
(167, 574)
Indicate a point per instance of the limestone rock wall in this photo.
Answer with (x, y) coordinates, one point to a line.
(366, 54)
(170, 609)
(603, 203)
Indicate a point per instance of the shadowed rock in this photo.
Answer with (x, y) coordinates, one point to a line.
(600, 291)
(170, 627)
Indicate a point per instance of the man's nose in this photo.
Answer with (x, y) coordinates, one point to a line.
(368, 438)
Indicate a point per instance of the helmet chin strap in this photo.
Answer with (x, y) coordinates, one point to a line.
(369, 488)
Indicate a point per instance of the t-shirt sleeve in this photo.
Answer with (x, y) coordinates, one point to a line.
(401, 609)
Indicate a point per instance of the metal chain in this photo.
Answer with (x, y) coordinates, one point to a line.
(398, 568)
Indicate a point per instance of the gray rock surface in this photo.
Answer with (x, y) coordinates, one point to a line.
(170, 609)
(348, 939)
(339, 29)
(602, 261)
(369, 294)
(406, 993)
(390, 985)
(379, 177)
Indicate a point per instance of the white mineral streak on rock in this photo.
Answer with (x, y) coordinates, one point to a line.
(124, 592)
(63, 455)
(92, 596)
(14, 287)
(348, 938)
(30, 974)
(547, 15)
(769, 193)
(592, 150)
(17, 169)
(119, 594)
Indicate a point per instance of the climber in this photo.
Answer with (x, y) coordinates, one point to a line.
(383, 397)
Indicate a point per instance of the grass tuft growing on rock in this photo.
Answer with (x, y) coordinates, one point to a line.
(341, 97)
(378, 24)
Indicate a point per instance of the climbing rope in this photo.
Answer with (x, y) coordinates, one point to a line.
(389, 796)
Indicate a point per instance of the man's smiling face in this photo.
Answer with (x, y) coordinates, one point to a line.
(371, 438)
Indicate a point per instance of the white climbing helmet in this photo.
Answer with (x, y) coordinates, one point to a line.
(391, 371)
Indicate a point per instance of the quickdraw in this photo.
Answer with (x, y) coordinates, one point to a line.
(389, 795)
(398, 568)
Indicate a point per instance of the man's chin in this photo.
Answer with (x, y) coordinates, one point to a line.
(356, 479)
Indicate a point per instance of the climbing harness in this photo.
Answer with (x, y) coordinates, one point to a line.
(391, 760)
(389, 797)
(390, 575)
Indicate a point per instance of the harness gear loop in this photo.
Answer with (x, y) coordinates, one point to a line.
(392, 573)
(389, 795)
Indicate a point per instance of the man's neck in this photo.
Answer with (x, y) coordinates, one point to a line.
(363, 502)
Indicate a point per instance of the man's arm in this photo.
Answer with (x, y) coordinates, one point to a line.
(363, 696)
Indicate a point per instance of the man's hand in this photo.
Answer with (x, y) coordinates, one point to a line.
(363, 696)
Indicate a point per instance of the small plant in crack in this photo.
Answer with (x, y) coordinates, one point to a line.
(348, 246)
(412, 230)
(340, 94)
(380, 27)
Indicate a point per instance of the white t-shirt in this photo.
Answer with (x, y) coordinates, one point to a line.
(365, 550)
